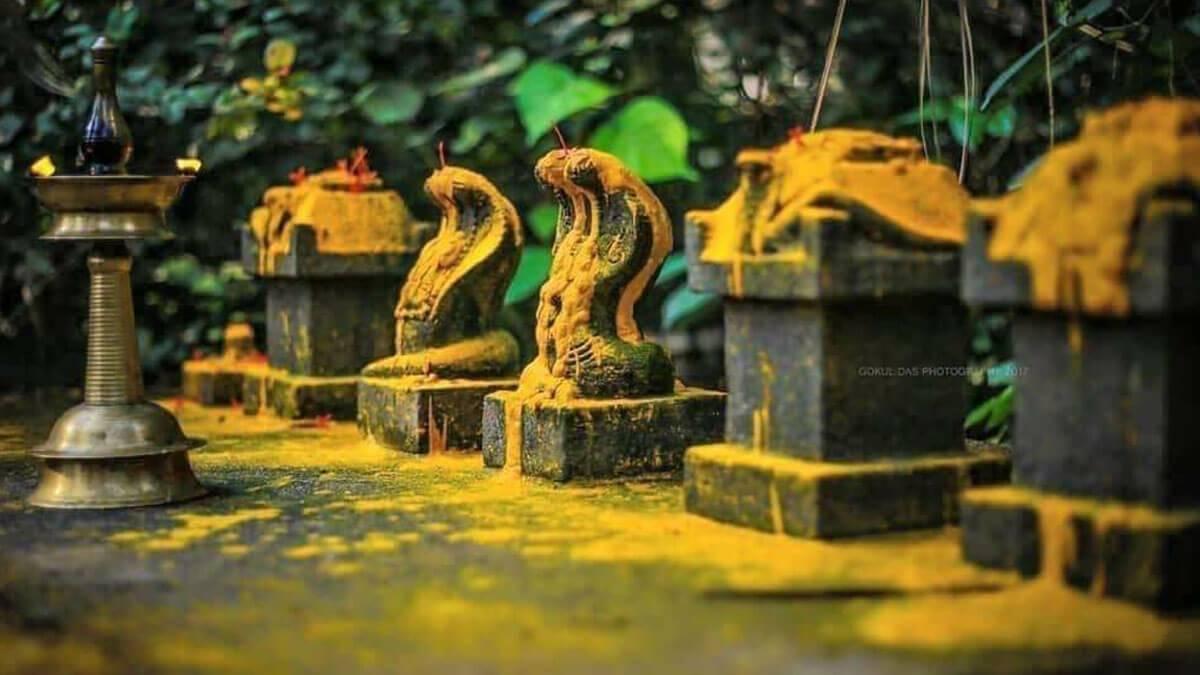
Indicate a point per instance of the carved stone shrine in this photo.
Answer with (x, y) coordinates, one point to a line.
(334, 250)
(218, 379)
(845, 342)
(598, 400)
(1098, 256)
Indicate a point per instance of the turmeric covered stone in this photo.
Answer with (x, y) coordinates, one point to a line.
(1097, 255)
(780, 232)
(838, 256)
(449, 352)
(217, 380)
(333, 251)
(1074, 226)
(349, 214)
(596, 381)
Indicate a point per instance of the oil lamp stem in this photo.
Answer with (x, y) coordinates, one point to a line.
(114, 373)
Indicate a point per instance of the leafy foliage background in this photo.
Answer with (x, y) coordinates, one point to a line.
(674, 87)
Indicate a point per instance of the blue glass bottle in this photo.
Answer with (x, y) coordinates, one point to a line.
(107, 143)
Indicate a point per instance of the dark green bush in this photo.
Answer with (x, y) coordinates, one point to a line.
(676, 88)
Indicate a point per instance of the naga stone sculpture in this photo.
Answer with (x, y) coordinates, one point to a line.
(449, 353)
(218, 379)
(598, 400)
(333, 250)
(1098, 256)
(838, 256)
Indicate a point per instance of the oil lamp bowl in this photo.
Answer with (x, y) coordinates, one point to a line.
(108, 207)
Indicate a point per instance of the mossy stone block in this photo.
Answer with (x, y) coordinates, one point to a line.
(415, 415)
(215, 383)
(586, 438)
(803, 498)
(999, 536)
(1106, 407)
(842, 382)
(1138, 554)
(297, 397)
(328, 315)
(843, 261)
(330, 327)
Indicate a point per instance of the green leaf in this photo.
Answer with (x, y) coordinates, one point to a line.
(389, 102)
(957, 123)
(10, 124)
(546, 93)
(1087, 13)
(543, 219)
(674, 267)
(979, 413)
(505, 63)
(937, 110)
(243, 35)
(650, 136)
(471, 133)
(1015, 68)
(1001, 410)
(1003, 122)
(120, 22)
(531, 274)
(685, 307)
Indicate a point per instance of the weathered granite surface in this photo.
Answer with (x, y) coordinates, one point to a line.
(319, 552)
(416, 416)
(1097, 256)
(577, 439)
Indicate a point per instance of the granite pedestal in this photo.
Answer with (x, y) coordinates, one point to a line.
(591, 439)
(328, 315)
(846, 388)
(1107, 495)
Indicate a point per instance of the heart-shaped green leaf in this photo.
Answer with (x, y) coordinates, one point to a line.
(389, 102)
(546, 93)
(650, 136)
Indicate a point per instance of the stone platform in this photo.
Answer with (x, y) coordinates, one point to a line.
(602, 439)
(416, 415)
(1134, 553)
(320, 552)
(804, 498)
(299, 396)
(216, 382)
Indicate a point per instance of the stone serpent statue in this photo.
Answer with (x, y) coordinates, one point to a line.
(611, 238)
(447, 308)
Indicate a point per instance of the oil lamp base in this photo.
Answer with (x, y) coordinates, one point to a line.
(116, 483)
(115, 456)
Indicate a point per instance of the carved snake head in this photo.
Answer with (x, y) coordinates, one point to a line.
(630, 232)
(461, 195)
(550, 174)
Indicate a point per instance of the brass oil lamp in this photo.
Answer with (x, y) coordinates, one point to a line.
(116, 449)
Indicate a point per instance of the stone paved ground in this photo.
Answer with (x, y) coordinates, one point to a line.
(320, 553)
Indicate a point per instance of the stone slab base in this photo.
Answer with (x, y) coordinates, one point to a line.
(299, 396)
(1136, 553)
(216, 383)
(416, 415)
(601, 439)
(775, 493)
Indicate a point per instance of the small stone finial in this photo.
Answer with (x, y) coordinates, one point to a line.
(107, 143)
